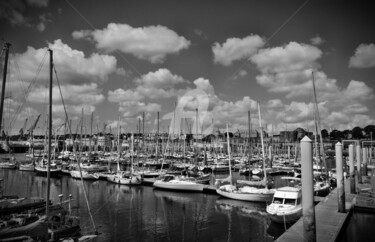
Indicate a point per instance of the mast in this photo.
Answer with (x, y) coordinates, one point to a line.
(132, 158)
(318, 122)
(196, 141)
(261, 137)
(49, 133)
(90, 138)
(118, 145)
(230, 165)
(249, 123)
(157, 139)
(6, 47)
(143, 132)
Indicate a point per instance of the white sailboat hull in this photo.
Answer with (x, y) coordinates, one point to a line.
(44, 170)
(135, 180)
(179, 185)
(27, 167)
(85, 175)
(251, 197)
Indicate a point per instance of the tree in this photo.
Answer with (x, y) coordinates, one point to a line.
(347, 134)
(369, 129)
(357, 133)
(324, 133)
(336, 134)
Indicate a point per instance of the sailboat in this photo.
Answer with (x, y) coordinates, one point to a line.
(79, 172)
(246, 190)
(123, 177)
(322, 186)
(180, 182)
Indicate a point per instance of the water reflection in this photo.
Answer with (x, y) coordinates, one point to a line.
(145, 214)
(250, 219)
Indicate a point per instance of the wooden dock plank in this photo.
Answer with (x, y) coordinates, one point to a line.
(328, 220)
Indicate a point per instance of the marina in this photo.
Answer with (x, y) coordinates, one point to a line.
(186, 121)
(145, 213)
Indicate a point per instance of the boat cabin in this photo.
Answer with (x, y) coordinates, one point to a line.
(287, 196)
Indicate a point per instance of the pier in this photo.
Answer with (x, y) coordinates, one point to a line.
(329, 221)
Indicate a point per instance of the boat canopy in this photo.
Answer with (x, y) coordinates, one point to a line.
(288, 192)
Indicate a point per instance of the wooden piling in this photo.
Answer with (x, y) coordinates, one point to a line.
(270, 155)
(340, 178)
(364, 168)
(358, 156)
(308, 208)
(351, 169)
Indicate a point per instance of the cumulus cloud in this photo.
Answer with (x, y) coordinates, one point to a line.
(159, 84)
(291, 57)
(134, 108)
(288, 70)
(236, 49)
(72, 94)
(75, 98)
(364, 56)
(72, 65)
(152, 43)
(162, 78)
(121, 95)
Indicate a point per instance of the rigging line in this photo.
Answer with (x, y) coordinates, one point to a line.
(269, 39)
(62, 98)
(93, 27)
(18, 73)
(28, 90)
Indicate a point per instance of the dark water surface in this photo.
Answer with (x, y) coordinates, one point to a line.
(142, 213)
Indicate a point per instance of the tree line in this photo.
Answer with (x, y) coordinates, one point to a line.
(367, 133)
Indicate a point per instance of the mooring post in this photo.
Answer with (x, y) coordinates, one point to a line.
(358, 156)
(340, 178)
(351, 169)
(364, 168)
(270, 155)
(308, 208)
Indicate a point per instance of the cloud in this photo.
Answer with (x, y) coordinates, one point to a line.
(234, 49)
(44, 19)
(38, 3)
(121, 95)
(159, 84)
(200, 33)
(364, 56)
(13, 11)
(72, 94)
(162, 78)
(317, 40)
(291, 57)
(72, 65)
(131, 109)
(75, 97)
(241, 73)
(152, 43)
(287, 69)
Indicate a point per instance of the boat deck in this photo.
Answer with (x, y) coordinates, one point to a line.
(328, 220)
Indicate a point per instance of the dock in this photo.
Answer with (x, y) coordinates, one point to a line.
(329, 221)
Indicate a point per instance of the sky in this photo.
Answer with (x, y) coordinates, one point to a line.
(216, 60)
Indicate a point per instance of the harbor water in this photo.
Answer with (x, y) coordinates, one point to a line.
(142, 213)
